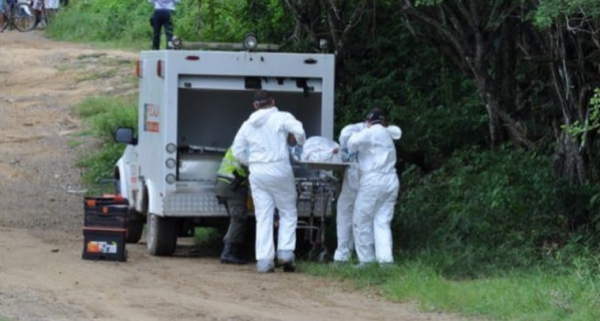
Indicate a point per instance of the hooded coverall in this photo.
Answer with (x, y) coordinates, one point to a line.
(347, 197)
(377, 193)
(261, 143)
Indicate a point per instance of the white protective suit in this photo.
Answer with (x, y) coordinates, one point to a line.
(377, 193)
(261, 143)
(347, 197)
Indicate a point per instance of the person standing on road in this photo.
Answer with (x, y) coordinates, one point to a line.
(37, 6)
(347, 196)
(231, 189)
(161, 18)
(377, 190)
(261, 142)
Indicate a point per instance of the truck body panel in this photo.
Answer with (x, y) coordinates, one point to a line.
(195, 102)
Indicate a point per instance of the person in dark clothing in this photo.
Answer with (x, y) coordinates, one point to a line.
(161, 18)
(231, 189)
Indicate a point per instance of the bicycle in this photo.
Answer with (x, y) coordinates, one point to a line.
(17, 15)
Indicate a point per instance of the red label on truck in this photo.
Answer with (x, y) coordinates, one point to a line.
(151, 118)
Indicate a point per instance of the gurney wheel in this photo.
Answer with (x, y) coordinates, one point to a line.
(323, 257)
(314, 254)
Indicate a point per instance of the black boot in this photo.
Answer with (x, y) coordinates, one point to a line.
(230, 256)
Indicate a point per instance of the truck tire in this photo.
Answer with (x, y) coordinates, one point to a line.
(161, 235)
(135, 226)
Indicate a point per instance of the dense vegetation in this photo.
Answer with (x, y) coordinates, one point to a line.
(497, 100)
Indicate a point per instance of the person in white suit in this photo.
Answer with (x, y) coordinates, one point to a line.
(347, 197)
(261, 143)
(378, 189)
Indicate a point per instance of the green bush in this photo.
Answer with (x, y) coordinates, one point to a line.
(125, 22)
(490, 210)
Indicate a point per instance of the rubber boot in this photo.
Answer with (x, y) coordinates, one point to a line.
(265, 266)
(286, 260)
(230, 256)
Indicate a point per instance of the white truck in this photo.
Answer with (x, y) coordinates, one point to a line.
(191, 104)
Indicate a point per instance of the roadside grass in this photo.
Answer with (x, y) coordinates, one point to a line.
(97, 75)
(69, 29)
(540, 294)
(208, 236)
(73, 143)
(102, 116)
(91, 55)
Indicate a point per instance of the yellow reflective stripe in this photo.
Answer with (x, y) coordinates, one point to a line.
(229, 165)
(224, 180)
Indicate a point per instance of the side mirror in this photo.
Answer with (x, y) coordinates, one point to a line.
(125, 135)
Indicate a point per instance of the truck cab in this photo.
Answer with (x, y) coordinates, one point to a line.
(191, 105)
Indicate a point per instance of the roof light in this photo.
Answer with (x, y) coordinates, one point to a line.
(250, 41)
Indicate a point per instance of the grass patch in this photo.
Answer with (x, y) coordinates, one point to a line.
(97, 75)
(64, 67)
(91, 55)
(74, 143)
(208, 241)
(102, 116)
(535, 295)
(106, 25)
(207, 236)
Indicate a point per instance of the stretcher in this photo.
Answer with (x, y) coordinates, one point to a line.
(317, 190)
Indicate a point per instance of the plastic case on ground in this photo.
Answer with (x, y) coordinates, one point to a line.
(104, 228)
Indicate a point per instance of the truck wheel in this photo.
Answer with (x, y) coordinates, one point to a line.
(135, 226)
(162, 235)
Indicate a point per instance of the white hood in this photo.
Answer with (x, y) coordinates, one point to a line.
(261, 142)
(260, 117)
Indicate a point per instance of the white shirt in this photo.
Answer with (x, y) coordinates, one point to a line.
(164, 4)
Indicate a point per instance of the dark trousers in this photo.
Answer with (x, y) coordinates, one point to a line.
(238, 215)
(161, 19)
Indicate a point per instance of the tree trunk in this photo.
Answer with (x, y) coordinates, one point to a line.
(501, 125)
(568, 78)
(468, 33)
(568, 161)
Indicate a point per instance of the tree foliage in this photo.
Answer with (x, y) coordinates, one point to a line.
(501, 208)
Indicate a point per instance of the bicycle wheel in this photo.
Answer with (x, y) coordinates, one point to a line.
(23, 17)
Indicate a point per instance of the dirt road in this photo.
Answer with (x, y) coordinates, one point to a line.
(42, 275)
